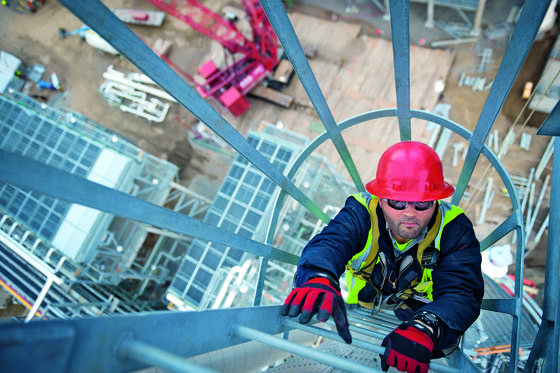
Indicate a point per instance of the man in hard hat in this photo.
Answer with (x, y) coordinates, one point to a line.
(402, 248)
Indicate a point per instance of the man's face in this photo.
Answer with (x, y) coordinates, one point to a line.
(408, 223)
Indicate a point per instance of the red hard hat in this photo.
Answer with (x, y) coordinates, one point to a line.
(410, 171)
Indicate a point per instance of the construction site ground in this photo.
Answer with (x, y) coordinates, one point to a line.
(353, 65)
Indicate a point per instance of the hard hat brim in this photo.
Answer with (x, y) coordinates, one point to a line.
(443, 191)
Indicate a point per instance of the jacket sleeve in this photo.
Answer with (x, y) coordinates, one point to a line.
(330, 250)
(457, 280)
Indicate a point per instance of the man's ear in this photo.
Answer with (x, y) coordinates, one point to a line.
(381, 204)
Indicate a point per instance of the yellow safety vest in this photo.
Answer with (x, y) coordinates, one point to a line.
(360, 267)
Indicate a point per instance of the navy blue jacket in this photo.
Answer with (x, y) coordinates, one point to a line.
(457, 279)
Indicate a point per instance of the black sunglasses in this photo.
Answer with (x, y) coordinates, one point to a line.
(401, 205)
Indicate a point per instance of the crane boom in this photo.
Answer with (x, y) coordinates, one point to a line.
(208, 23)
(264, 37)
(259, 56)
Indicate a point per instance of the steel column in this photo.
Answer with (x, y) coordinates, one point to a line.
(401, 58)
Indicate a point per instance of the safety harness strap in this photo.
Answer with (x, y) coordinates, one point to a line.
(361, 265)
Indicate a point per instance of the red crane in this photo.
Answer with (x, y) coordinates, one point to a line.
(259, 56)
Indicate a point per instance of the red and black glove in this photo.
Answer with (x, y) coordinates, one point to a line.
(319, 296)
(408, 348)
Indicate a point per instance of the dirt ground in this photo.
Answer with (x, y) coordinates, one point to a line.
(35, 38)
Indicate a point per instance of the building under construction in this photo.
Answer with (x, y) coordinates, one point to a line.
(104, 245)
(79, 254)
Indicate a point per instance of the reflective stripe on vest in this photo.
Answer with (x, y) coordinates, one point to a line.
(361, 265)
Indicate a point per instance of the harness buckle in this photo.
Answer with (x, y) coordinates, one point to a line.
(405, 294)
(377, 303)
(396, 300)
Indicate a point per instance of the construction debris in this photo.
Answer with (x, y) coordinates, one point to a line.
(457, 147)
(488, 195)
(140, 17)
(475, 82)
(527, 90)
(493, 141)
(442, 43)
(272, 95)
(132, 94)
(486, 58)
(161, 47)
(525, 141)
(116, 76)
(499, 31)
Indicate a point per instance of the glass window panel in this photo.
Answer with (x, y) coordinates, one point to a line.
(236, 211)
(219, 248)
(34, 150)
(80, 171)
(196, 251)
(60, 207)
(90, 155)
(252, 178)
(68, 166)
(284, 154)
(252, 219)
(35, 224)
(244, 194)
(229, 226)
(203, 278)
(235, 255)
(77, 149)
(252, 140)
(179, 283)
(44, 155)
(260, 202)
(228, 187)
(55, 160)
(66, 142)
(220, 203)
(211, 260)
(43, 131)
(212, 218)
(268, 186)
(279, 165)
(187, 268)
(30, 205)
(22, 145)
(54, 136)
(267, 148)
(245, 233)
(236, 172)
(195, 295)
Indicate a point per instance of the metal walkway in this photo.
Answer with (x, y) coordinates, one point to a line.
(165, 339)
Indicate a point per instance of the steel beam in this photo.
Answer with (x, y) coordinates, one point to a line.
(60, 184)
(126, 343)
(105, 23)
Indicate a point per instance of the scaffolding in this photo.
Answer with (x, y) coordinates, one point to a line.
(243, 205)
(70, 258)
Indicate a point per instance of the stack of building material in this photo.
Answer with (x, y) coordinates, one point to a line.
(134, 93)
